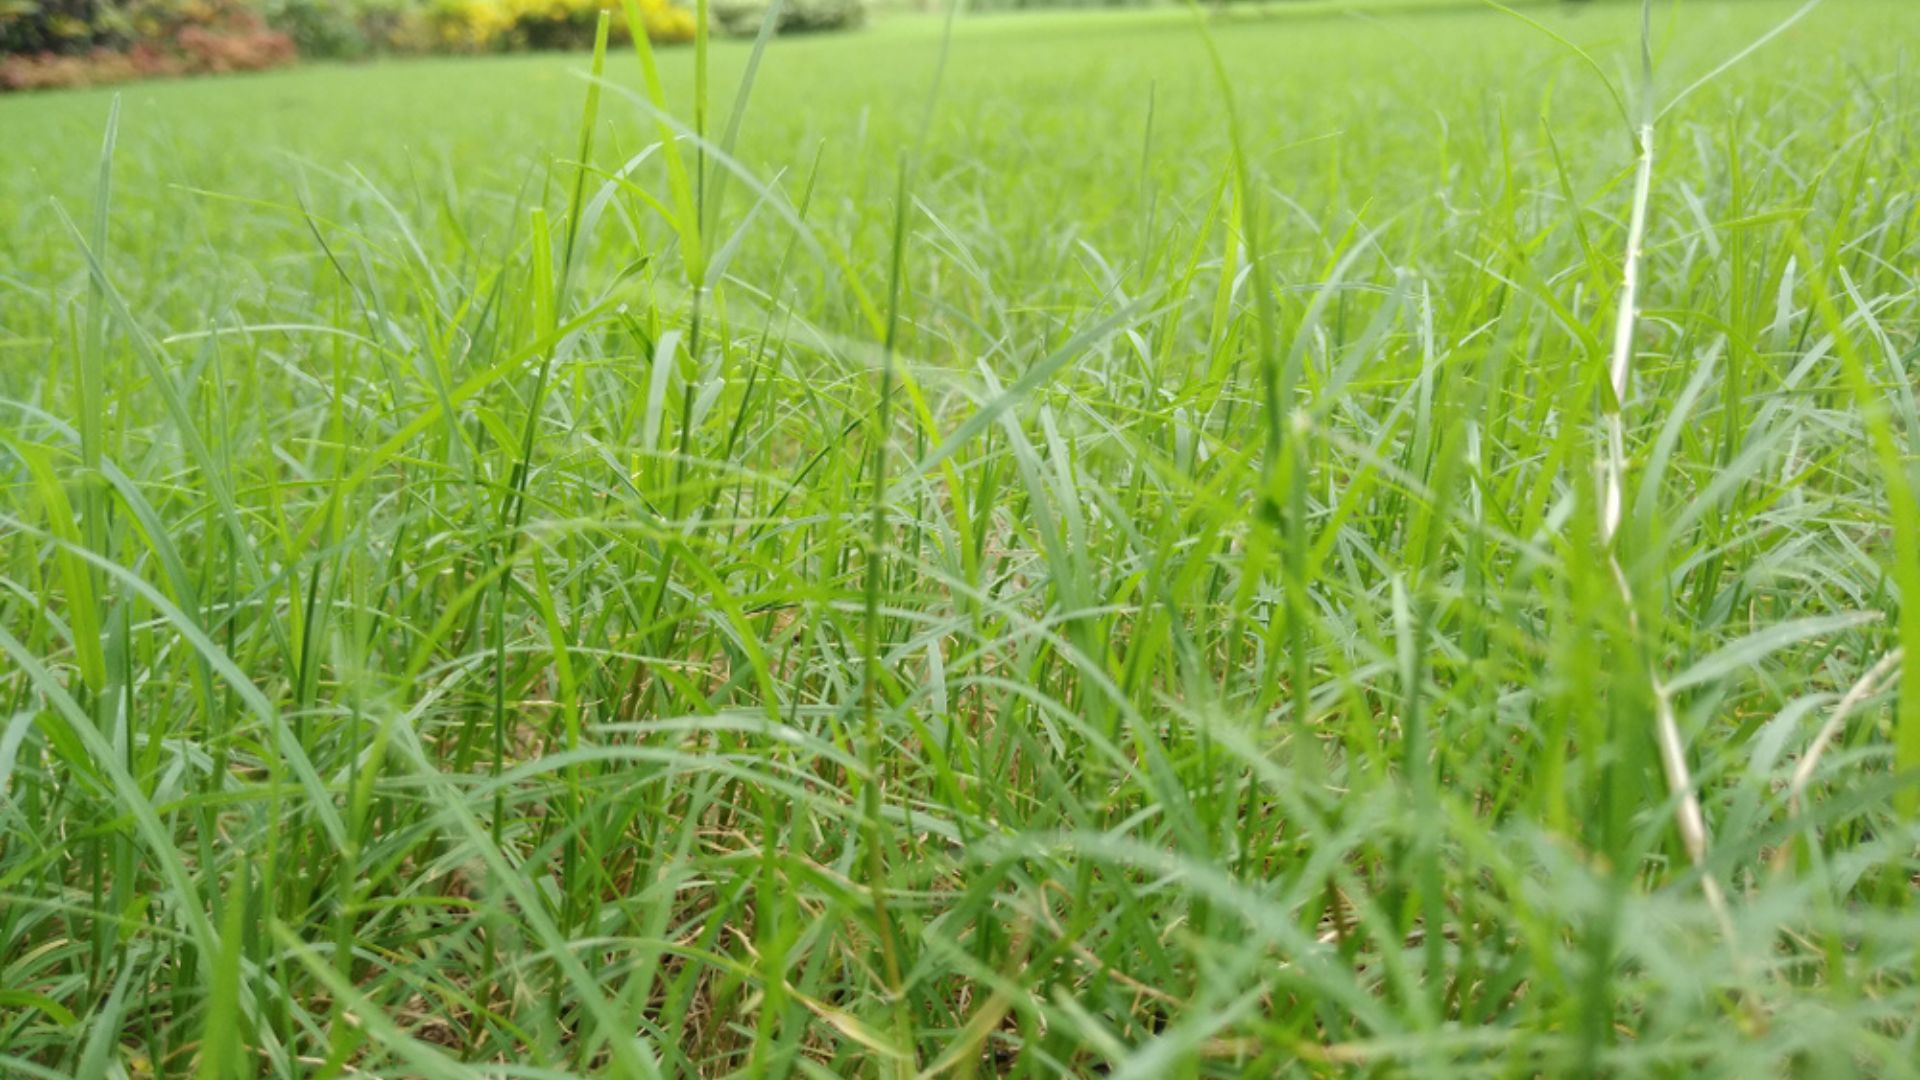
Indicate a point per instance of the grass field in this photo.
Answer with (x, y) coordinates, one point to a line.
(1035, 555)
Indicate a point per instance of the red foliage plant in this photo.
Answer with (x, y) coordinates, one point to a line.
(215, 38)
(252, 50)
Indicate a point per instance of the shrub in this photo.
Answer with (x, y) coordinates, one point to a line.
(743, 17)
(553, 24)
(468, 25)
(66, 43)
(665, 22)
(50, 70)
(59, 26)
(321, 28)
(74, 42)
(209, 52)
(489, 25)
(163, 21)
(391, 24)
(72, 27)
(1034, 5)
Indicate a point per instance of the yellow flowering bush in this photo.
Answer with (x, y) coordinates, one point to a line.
(469, 25)
(665, 21)
(493, 25)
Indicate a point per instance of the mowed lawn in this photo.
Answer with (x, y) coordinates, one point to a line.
(1081, 546)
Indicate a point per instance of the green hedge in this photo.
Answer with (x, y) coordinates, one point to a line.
(743, 17)
(61, 26)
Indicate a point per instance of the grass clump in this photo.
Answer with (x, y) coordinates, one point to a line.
(1150, 552)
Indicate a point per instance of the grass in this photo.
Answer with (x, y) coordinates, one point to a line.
(1096, 562)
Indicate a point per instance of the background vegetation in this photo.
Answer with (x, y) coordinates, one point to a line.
(74, 42)
(45, 43)
(1060, 552)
